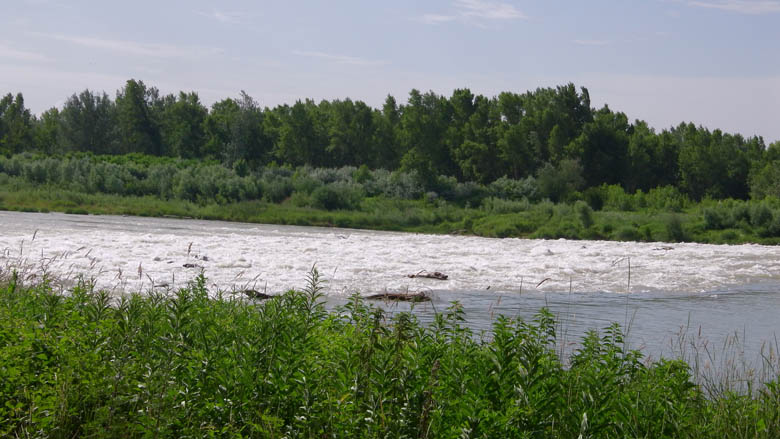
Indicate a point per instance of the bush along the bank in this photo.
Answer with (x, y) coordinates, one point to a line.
(85, 364)
(377, 199)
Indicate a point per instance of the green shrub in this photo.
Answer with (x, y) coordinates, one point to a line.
(500, 226)
(740, 212)
(584, 213)
(772, 230)
(304, 183)
(666, 198)
(275, 188)
(615, 198)
(594, 196)
(715, 218)
(398, 184)
(301, 199)
(729, 235)
(337, 196)
(557, 182)
(628, 233)
(675, 231)
(564, 229)
(510, 189)
(195, 363)
(362, 174)
(469, 193)
(760, 215)
(646, 233)
(545, 209)
(498, 206)
(186, 185)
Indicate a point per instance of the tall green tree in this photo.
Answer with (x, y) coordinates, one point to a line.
(16, 125)
(219, 127)
(478, 153)
(517, 150)
(46, 132)
(139, 129)
(517, 141)
(602, 148)
(642, 160)
(88, 122)
(182, 125)
(563, 107)
(765, 175)
(424, 122)
(388, 148)
(303, 136)
(712, 164)
(351, 133)
(248, 140)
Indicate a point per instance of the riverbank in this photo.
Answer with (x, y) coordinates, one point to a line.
(714, 223)
(378, 200)
(83, 364)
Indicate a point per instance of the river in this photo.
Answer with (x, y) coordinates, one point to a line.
(671, 297)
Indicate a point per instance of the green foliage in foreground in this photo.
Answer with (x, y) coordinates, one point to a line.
(186, 365)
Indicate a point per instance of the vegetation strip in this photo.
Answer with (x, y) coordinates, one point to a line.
(374, 199)
(551, 135)
(542, 164)
(85, 364)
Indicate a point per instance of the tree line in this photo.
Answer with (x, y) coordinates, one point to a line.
(545, 133)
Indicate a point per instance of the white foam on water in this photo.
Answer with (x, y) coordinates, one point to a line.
(135, 254)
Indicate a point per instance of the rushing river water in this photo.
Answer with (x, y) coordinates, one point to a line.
(660, 291)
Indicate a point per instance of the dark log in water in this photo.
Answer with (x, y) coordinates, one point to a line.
(254, 294)
(429, 275)
(401, 297)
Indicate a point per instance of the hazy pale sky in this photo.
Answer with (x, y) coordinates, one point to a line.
(712, 62)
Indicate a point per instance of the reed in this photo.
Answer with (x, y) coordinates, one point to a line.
(84, 363)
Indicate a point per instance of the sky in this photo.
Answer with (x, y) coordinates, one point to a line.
(715, 63)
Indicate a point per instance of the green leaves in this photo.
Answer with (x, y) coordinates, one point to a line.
(186, 365)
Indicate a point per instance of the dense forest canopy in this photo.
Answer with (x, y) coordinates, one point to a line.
(551, 134)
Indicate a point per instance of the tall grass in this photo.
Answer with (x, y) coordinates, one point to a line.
(81, 363)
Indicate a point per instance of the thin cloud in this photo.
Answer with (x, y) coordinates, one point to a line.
(341, 59)
(437, 19)
(8, 52)
(471, 11)
(750, 7)
(592, 42)
(222, 17)
(488, 10)
(132, 47)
